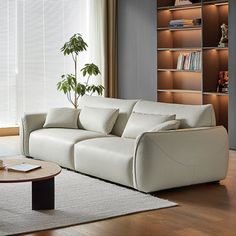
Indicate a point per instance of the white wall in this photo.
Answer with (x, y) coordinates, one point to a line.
(232, 74)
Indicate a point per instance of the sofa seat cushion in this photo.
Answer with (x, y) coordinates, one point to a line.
(109, 158)
(57, 145)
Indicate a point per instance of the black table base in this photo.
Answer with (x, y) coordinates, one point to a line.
(43, 195)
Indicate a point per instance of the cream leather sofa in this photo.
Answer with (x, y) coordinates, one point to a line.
(195, 153)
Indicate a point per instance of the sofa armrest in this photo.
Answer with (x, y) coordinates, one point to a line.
(171, 159)
(29, 123)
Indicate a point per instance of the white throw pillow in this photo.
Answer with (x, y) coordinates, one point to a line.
(62, 118)
(96, 119)
(139, 123)
(168, 125)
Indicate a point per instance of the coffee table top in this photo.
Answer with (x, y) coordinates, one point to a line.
(47, 171)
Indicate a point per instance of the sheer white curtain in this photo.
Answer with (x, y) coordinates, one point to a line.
(31, 35)
(97, 37)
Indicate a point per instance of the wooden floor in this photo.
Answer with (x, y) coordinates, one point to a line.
(204, 210)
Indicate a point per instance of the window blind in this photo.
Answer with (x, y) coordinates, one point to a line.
(7, 62)
(31, 35)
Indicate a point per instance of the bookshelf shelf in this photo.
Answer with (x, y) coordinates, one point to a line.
(175, 70)
(216, 94)
(179, 91)
(219, 2)
(179, 49)
(180, 28)
(215, 48)
(192, 86)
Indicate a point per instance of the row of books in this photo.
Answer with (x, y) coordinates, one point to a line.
(190, 61)
(185, 23)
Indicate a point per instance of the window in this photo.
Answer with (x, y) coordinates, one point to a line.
(31, 35)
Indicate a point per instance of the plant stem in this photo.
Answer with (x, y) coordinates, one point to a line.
(73, 57)
(88, 80)
(69, 98)
(75, 103)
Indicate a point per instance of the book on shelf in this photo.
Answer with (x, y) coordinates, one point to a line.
(181, 23)
(189, 61)
(24, 167)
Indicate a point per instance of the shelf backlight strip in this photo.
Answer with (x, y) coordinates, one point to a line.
(221, 4)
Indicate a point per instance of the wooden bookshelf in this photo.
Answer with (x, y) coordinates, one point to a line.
(192, 86)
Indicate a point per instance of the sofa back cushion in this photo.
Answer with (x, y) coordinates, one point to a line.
(139, 123)
(190, 116)
(100, 120)
(125, 108)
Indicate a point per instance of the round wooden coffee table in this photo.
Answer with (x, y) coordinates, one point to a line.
(43, 189)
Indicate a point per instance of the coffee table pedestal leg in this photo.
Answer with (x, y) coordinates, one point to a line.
(43, 195)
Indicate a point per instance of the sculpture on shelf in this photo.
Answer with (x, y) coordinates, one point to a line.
(223, 82)
(224, 36)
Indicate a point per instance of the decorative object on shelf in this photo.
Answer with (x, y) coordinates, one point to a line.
(224, 36)
(181, 23)
(182, 2)
(223, 82)
(69, 84)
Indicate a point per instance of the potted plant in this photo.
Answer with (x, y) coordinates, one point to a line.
(69, 83)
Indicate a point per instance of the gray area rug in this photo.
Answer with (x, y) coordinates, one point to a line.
(79, 199)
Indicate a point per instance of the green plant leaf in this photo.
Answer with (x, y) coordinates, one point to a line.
(81, 89)
(90, 69)
(95, 88)
(67, 84)
(75, 45)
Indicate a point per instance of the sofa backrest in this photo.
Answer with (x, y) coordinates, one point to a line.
(125, 108)
(191, 116)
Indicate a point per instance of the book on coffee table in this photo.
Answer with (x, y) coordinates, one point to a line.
(23, 167)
